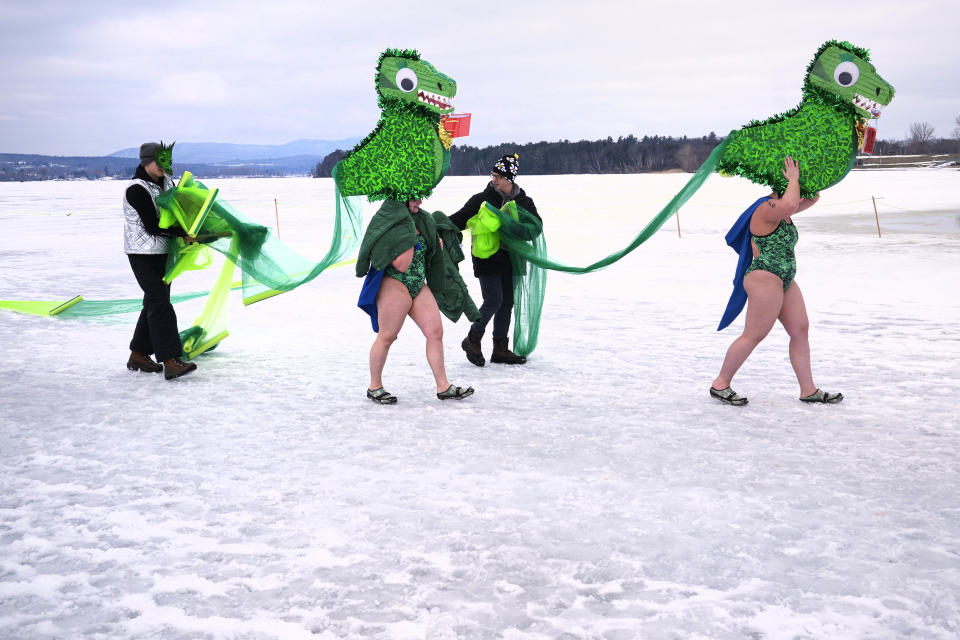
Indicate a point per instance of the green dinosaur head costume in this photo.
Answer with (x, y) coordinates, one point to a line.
(841, 75)
(404, 81)
(408, 152)
(841, 91)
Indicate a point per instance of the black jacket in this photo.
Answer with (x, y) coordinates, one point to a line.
(499, 263)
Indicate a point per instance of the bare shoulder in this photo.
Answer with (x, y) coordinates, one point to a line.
(768, 212)
(776, 209)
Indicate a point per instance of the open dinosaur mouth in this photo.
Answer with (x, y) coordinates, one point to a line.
(434, 99)
(867, 105)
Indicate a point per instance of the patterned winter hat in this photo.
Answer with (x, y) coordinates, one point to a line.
(508, 166)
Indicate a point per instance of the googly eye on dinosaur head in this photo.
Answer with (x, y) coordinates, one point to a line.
(846, 73)
(406, 79)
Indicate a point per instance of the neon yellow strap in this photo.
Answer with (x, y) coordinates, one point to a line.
(40, 307)
(202, 214)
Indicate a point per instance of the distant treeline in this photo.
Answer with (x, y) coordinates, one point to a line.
(622, 155)
(15, 167)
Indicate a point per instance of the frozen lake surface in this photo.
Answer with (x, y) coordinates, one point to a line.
(597, 492)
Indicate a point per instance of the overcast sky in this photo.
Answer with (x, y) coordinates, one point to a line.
(90, 78)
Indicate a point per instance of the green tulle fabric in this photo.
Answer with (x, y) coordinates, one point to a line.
(520, 246)
(525, 239)
(268, 266)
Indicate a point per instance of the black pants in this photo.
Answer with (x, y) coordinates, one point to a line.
(497, 294)
(156, 330)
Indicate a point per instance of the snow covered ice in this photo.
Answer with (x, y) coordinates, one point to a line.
(597, 492)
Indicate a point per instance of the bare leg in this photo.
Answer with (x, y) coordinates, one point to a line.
(427, 316)
(764, 299)
(393, 304)
(793, 317)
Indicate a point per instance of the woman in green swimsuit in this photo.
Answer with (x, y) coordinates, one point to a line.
(772, 293)
(404, 292)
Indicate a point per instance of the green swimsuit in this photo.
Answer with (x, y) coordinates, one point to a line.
(776, 253)
(415, 275)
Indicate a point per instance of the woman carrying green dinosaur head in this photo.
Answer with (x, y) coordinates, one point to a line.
(772, 293)
(401, 162)
(797, 154)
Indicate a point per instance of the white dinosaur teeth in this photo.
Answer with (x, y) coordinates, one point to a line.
(434, 99)
(867, 104)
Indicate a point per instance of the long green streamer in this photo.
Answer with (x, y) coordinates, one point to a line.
(523, 247)
(529, 287)
(87, 308)
(528, 253)
(77, 307)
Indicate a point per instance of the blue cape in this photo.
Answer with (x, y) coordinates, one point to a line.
(738, 239)
(368, 296)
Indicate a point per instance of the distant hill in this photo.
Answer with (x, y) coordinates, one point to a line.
(203, 159)
(217, 152)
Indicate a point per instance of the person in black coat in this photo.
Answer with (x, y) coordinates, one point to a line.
(146, 246)
(495, 272)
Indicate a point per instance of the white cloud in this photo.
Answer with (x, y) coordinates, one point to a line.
(192, 88)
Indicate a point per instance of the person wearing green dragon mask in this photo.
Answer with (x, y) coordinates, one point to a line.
(146, 245)
(494, 269)
(772, 293)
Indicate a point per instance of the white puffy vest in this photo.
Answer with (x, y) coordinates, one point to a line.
(136, 239)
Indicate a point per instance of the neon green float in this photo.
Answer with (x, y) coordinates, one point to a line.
(484, 240)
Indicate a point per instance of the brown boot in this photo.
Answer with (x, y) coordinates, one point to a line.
(503, 355)
(140, 362)
(471, 345)
(175, 367)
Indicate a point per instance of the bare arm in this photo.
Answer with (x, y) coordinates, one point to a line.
(806, 203)
(789, 203)
(402, 261)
